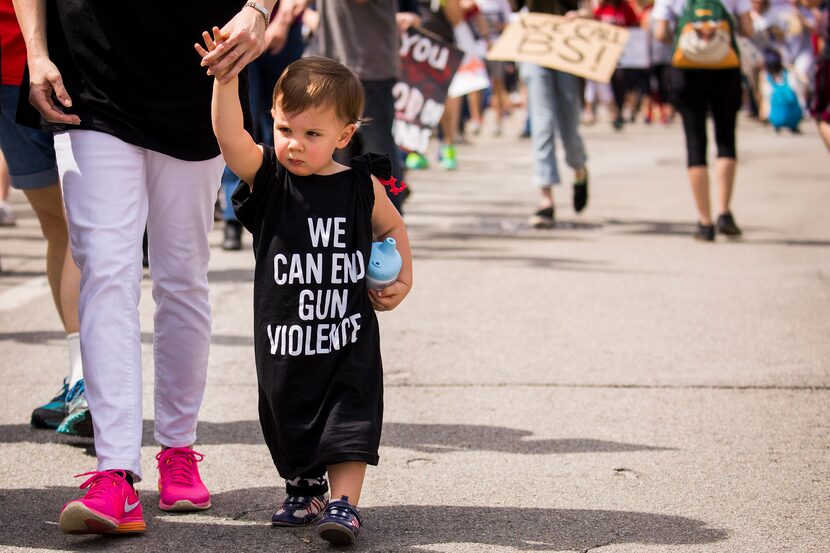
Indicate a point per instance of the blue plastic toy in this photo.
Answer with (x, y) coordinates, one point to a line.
(384, 264)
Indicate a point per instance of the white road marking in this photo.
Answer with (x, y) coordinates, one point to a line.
(22, 294)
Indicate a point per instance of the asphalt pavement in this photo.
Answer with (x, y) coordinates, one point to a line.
(609, 385)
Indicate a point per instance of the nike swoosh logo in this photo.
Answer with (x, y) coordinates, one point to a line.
(130, 506)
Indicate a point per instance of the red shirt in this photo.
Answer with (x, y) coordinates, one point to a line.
(621, 15)
(12, 47)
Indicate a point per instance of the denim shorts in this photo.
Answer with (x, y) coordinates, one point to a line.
(29, 153)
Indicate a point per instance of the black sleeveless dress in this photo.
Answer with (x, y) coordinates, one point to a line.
(316, 337)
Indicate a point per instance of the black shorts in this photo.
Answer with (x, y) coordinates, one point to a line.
(697, 93)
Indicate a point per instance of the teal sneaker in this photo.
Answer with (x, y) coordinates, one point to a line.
(78, 421)
(415, 161)
(50, 415)
(448, 159)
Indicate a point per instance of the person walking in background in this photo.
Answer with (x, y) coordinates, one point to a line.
(135, 146)
(32, 168)
(598, 94)
(555, 104)
(362, 36)
(284, 44)
(320, 405)
(781, 96)
(496, 15)
(700, 90)
(440, 18)
(658, 106)
(622, 13)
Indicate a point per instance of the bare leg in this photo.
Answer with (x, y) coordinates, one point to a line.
(474, 104)
(725, 173)
(70, 290)
(824, 131)
(48, 207)
(699, 179)
(5, 179)
(347, 479)
(449, 120)
(545, 197)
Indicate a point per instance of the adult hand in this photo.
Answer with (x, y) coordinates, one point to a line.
(243, 42)
(276, 35)
(406, 20)
(45, 79)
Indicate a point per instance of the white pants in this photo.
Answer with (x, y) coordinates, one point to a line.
(111, 190)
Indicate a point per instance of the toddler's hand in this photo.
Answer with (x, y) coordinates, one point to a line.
(211, 43)
(388, 298)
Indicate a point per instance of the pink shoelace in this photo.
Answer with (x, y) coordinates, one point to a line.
(179, 463)
(97, 481)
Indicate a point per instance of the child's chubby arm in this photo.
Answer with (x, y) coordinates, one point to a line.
(242, 155)
(386, 221)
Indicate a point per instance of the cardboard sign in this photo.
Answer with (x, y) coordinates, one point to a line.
(428, 64)
(583, 47)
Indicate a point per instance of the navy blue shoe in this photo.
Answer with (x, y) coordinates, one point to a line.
(340, 523)
(299, 511)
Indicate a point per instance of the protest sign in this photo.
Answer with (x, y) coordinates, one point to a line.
(471, 76)
(472, 73)
(428, 64)
(583, 47)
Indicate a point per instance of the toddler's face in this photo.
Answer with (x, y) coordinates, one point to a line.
(304, 142)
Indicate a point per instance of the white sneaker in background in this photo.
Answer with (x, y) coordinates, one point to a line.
(7, 218)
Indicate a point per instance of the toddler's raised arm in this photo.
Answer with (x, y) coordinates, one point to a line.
(242, 155)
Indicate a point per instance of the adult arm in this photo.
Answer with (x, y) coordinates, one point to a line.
(632, 13)
(745, 25)
(244, 42)
(44, 76)
(662, 14)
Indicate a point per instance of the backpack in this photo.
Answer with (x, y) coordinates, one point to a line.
(705, 37)
(784, 108)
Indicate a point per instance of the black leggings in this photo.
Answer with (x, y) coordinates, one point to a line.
(698, 92)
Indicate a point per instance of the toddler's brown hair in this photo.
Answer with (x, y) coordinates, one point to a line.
(315, 81)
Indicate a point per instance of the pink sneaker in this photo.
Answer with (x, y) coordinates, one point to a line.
(180, 486)
(110, 506)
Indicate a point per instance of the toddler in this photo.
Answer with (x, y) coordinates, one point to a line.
(317, 342)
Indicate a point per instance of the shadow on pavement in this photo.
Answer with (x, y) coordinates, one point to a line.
(238, 521)
(426, 438)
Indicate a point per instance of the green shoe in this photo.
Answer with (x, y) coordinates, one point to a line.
(448, 159)
(415, 161)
